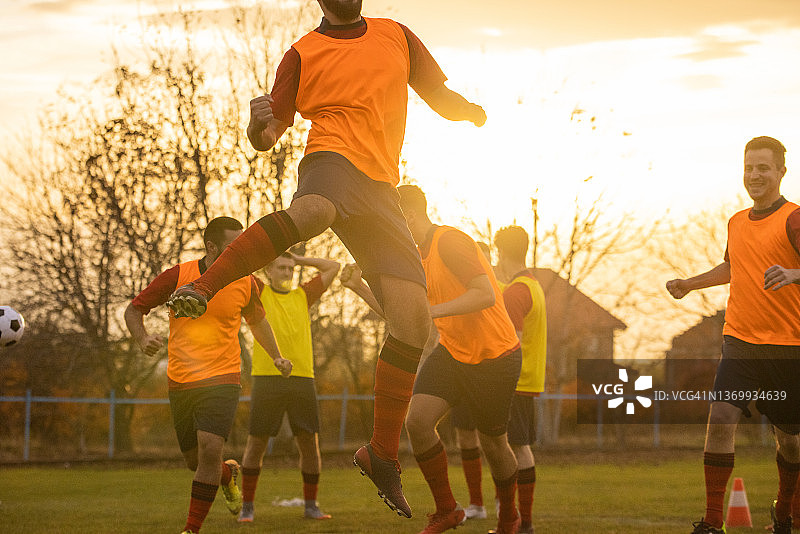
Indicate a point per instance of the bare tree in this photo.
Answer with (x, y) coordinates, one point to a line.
(113, 192)
(690, 245)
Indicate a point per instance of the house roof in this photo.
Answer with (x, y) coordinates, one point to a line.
(704, 338)
(565, 301)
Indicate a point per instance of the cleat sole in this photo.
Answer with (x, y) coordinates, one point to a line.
(381, 495)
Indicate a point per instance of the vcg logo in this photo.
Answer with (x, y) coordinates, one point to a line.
(642, 383)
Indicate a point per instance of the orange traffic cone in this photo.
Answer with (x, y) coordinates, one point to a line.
(738, 508)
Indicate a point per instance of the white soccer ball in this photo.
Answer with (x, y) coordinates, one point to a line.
(12, 324)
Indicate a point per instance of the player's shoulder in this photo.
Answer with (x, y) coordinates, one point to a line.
(452, 238)
(310, 34)
(453, 232)
(388, 23)
(519, 285)
(743, 213)
(383, 20)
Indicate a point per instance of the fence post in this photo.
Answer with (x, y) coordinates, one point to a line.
(26, 450)
(112, 397)
(599, 424)
(539, 403)
(343, 418)
(656, 427)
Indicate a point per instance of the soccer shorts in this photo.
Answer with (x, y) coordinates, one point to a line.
(368, 217)
(485, 388)
(521, 420)
(272, 396)
(461, 418)
(210, 409)
(768, 374)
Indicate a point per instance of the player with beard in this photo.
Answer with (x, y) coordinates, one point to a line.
(349, 77)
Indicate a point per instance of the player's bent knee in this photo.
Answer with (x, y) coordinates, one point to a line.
(418, 424)
(494, 445)
(722, 413)
(312, 215)
(789, 445)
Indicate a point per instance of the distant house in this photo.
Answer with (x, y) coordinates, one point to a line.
(577, 327)
(703, 340)
(691, 363)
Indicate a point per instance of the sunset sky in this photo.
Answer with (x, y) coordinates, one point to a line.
(676, 88)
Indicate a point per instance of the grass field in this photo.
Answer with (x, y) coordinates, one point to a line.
(624, 493)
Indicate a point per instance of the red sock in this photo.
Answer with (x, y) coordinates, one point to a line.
(310, 486)
(787, 483)
(264, 241)
(226, 474)
(718, 468)
(394, 380)
(506, 493)
(526, 483)
(249, 483)
(199, 505)
(471, 462)
(433, 464)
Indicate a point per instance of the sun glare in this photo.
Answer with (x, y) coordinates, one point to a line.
(658, 125)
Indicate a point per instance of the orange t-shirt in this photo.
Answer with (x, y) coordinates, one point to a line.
(199, 350)
(473, 337)
(756, 315)
(355, 93)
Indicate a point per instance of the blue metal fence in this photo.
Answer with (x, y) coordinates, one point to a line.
(112, 401)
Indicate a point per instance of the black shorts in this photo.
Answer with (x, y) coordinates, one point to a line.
(768, 374)
(368, 217)
(272, 396)
(210, 409)
(461, 418)
(521, 420)
(485, 388)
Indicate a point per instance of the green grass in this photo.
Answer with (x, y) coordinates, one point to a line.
(627, 493)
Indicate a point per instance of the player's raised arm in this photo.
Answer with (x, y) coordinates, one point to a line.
(719, 275)
(328, 269)
(427, 79)
(264, 129)
(452, 106)
(134, 319)
(265, 337)
(351, 279)
(478, 296)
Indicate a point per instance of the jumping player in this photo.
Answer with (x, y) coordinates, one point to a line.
(478, 352)
(761, 347)
(525, 304)
(203, 366)
(349, 77)
(272, 395)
